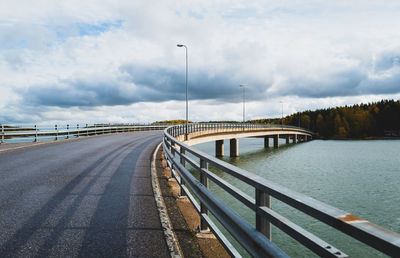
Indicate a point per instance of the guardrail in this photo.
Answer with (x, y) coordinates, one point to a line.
(35, 133)
(254, 239)
(197, 127)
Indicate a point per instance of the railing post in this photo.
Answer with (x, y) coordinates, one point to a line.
(182, 152)
(77, 129)
(203, 208)
(262, 224)
(172, 147)
(87, 130)
(36, 134)
(2, 133)
(67, 131)
(56, 129)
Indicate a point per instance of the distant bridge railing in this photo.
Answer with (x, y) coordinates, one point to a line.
(34, 133)
(198, 127)
(254, 239)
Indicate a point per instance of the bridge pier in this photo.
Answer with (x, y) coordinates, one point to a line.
(287, 139)
(294, 138)
(266, 142)
(234, 147)
(219, 148)
(276, 141)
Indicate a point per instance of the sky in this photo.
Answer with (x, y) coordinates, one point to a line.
(117, 61)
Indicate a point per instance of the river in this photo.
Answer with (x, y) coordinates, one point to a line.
(360, 177)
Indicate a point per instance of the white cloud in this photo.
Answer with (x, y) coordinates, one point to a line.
(61, 59)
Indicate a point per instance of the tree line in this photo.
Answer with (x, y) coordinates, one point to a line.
(377, 119)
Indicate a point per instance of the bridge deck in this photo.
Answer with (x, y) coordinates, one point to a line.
(90, 198)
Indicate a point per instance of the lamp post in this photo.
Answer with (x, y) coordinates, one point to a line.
(187, 105)
(244, 103)
(299, 118)
(282, 112)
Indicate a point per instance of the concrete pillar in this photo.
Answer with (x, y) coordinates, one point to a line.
(219, 148)
(234, 147)
(276, 141)
(266, 142)
(294, 138)
(287, 139)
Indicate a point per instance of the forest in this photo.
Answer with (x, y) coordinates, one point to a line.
(360, 121)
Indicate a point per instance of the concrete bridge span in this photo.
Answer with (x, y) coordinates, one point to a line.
(218, 133)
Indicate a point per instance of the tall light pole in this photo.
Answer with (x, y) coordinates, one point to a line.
(187, 105)
(299, 118)
(282, 112)
(244, 103)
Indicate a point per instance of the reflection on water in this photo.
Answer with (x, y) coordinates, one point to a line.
(360, 177)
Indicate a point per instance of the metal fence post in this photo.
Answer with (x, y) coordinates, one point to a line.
(182, 152)
(87, 130)
(171, 147)
(56, 129)
(67, 131)
(2, 133)
(203, 208)
(36, 134)
(262, 225)
(77, 129)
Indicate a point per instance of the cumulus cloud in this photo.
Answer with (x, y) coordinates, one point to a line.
(95, 55)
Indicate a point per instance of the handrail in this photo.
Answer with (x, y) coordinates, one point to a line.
(36, 134)
(176, 154)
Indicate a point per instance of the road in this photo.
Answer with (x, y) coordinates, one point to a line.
(90, 197)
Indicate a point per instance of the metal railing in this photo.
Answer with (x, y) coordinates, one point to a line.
(254, 239)
(34, 133)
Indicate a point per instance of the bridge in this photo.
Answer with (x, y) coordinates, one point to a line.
(89, 191)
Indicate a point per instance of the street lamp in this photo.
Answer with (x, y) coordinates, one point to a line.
(187, 105)
(282, 112)
(244, 103)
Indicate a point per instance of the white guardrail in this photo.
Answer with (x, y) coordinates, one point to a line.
(34, 133)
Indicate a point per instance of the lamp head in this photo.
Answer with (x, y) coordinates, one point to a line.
(179, 45)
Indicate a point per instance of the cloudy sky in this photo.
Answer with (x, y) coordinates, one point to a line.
(117, 61)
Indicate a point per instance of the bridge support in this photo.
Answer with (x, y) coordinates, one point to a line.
(294, 138)
(234, 147)
(266, 142)
(219, 148)
(287, 139)
(276, 141)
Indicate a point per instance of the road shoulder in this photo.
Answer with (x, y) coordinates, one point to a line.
(184, 218)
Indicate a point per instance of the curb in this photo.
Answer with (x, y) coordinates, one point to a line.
(170, 238)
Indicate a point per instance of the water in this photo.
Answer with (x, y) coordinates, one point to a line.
(360, 177)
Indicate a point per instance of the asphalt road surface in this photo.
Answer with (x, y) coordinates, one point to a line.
(90, 197)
